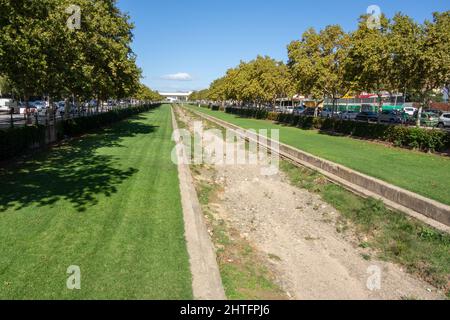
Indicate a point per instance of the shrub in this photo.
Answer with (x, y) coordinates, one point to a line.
(417, 138)
(407, 137)
(73, 127)
(14, 141)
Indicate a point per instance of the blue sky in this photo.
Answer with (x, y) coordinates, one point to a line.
(198, 40)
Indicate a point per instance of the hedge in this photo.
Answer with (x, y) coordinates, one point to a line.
(16, 141)
(407, 137)
(77, 126)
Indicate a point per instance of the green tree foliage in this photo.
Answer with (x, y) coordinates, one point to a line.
(259, 81)
(41, 55)
(317, 63)
(5, 86)
(398, 55)
(146, 94)
(432, 60)
(370, 61)
(201, 95)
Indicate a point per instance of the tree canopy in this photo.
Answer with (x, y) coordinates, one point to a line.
(258, 81)
(317, 63)
(41, 55)
(397, 55)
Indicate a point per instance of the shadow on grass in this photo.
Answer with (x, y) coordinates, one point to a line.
(75, 172)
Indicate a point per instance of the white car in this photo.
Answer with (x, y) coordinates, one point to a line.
(409, 109)
(444, 120)
(7, 104)
(288, 109)
(348, 115)
(39, 105)
(328, 113)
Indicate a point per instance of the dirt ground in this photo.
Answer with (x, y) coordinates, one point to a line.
(296, 230)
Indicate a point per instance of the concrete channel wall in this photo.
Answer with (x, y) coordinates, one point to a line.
(394, 197)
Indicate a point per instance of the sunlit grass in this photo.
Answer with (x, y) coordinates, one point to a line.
(108, 203)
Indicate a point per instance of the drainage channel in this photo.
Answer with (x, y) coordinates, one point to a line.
(431, 212)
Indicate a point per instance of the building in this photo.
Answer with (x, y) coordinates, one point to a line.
(176, 96)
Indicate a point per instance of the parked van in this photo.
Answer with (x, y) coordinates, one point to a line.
(6, 105)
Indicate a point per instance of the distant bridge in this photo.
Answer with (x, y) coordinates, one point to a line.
(176, 96)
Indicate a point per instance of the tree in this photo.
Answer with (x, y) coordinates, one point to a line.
(5, 86)
(146, 94)
(200, 95)
(317, 63)
(405, 43)
(259, 81)
(431, 60)
(370, 62)
(41, 55)
(106, 60)
(22, 44)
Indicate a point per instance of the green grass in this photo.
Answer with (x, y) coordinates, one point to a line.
(108, 203)
(425, 174)
(395, 237)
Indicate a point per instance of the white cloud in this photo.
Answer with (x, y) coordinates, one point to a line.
(178, 77)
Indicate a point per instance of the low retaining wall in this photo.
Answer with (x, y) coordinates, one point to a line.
(403, 198)
(206, 280)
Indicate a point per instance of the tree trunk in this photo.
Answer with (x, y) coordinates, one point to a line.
(333, 107)
(419, 113)
(66, 108)
(97, 107)
(380, 106)
(27, 109)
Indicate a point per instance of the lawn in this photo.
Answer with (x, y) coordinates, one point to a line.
(108, 203)
(425, 174)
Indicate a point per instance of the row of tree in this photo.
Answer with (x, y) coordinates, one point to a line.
(68, 48)
(144, 93)
(398, 56)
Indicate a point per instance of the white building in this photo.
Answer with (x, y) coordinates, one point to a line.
(176, 96)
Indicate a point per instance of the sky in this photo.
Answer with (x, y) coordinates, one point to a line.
(184, 45)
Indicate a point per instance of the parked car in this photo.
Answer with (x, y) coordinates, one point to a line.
(38, 105)
(428, 119)
(299, 110)
(309, 112)
(391, 116)
(348, 115)
(328, 113)
(409, 109)
(367, 116)
(444, 120)
(23, 108)
(436, 112)
(288, 109)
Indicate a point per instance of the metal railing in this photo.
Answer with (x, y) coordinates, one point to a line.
(50, 117)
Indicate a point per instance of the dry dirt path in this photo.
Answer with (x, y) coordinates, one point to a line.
(297, 230)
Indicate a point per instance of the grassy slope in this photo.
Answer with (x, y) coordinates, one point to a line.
(395, 237)
(425, 174)
(108, 203)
